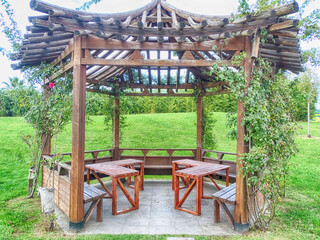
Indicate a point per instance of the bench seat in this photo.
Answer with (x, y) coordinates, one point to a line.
(221, 198)
(94, 195)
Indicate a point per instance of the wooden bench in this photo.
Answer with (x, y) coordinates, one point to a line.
(94, 195)
(226, 195)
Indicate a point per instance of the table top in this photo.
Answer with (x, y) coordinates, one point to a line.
(198, 168)
(113, 170)
(192, 163)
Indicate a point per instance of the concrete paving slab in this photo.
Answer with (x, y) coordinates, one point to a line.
(156, 214)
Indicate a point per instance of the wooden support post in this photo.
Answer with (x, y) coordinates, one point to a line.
(199, 127)
(116, 128)
(241, 215)
(76, 215)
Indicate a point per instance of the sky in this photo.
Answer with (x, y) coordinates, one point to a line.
(209, 7)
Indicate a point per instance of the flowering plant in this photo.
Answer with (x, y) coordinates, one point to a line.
(48, 114)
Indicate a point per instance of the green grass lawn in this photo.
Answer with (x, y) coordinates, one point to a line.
(298, 216)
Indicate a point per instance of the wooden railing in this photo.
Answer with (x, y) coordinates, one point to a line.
(161, 161)
(95, 156)
(158, 161)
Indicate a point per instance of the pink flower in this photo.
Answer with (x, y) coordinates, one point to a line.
(51, 84)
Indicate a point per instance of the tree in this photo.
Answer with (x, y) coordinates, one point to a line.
(9, 27)
(309, 85)
(14, 98)
(309, 23)
(14, 83)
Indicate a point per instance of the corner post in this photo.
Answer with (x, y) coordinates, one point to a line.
(241, 213)
(199, 127)
(76, 214)
(116, 128)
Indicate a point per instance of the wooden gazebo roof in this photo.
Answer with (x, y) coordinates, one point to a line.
(164, 33)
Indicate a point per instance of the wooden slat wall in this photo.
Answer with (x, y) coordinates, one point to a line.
(62, 188)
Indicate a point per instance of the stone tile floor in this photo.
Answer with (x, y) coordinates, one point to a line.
(156, 214)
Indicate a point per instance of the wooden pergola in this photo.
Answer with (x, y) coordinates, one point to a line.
(156, 50)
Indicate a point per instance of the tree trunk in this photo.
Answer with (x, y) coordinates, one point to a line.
(309, 135)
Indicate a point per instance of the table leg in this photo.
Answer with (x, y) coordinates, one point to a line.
(129, 178)
(227, 177)
(88, 176)
(142, 176)
(114, 196)
(188, 179)
(136, 191)
(202, 187)
(174, 166)
(176, 191)
(216, 211)
(199, 191)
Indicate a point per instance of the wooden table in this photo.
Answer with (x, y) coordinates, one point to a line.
(195, 170)
(117, 170)
(131, 163)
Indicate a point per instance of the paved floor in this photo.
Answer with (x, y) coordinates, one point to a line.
(156, 214)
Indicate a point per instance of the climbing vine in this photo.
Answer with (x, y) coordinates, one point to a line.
(114, 90)
(48, 115)
(270, 133)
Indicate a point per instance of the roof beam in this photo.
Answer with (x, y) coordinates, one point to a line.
(171, 86)
(153, 62)
(61, 71)
(96, 43)
(284, 25)
(68, 50)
